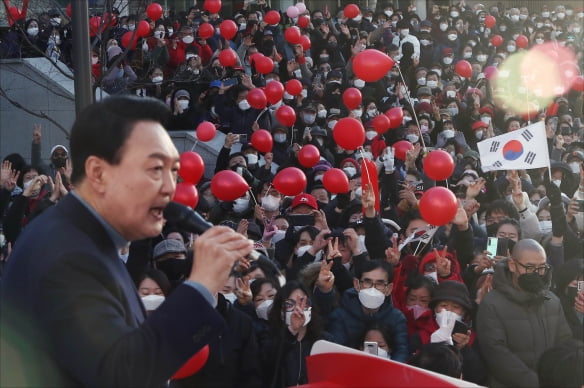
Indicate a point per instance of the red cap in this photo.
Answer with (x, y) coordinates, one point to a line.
(478, 125)
(486, 109)
(304, 199)
(447, 51)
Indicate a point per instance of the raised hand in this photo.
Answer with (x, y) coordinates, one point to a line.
(442, 262)
(242, 291)
(8, 176)
(326, 278)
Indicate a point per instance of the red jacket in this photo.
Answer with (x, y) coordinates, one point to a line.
(178, 54)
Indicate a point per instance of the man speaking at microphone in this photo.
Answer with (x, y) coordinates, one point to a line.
(71, 315)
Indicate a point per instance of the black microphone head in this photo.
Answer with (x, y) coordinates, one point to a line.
(185, 218)
(175, 212)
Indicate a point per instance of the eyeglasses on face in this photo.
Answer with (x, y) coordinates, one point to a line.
(290, 304)
(368, 283)
(542, 269)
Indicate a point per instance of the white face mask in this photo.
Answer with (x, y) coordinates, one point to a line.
(406, 119)
(321, 114)
(276, 105)
(503, 28)
(545, 226)
(511, 48)
(422, 81)
(515, 18)
(297, 73)
(170, 31)
(280, 138)
(479, 134)
(251, 158)
(264, 309)
(308, 118)
(486, 119)
(388, 13)
(358, 18)
(467, 54)
(425, 42)
(426, 100)
(307, 317)
(33, 31)
(561, 15)
(371, 298)
(151, 302)
(362, 246)
(230, 297)
(358, 83)
(576, 30)
(350, 171)
(447, 60)
(370, 135)
(158, 34)
(55, 21)
(404, 32)
(357, 113)
(270, 203)
(331, 124)
(545, 14)
(454, 14)
(432, 84)
(557, 182)
(575, 167)
(433, 276)
(448, 133)
(443, 27)
(367, 155)
(184, 104)
(188, 39)
(452, 37)
(450, 93)
(240, 205)
(94, 60)
(412, 138)
(243, 104)
(453, 111)
(481, 58)
(157, 80)
(302, 250)
(279, 236)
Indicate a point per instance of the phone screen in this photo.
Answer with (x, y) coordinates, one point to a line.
(370, 347)
(492, 243)
(460, 327)
(301, 219)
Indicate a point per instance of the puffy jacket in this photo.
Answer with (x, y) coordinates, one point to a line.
(347, 323)
(515, 327)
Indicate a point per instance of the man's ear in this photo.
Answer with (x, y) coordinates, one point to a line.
(95, 173)
(389, 289)
(356, 284)
(512, 266)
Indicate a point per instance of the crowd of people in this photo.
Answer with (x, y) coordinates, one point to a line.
(334, 266)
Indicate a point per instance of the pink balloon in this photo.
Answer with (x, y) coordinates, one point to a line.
(192, 167)
(301, 7)
(228, 185)
(290, 181)
(292, 11)
(372, 65)
(206, 131)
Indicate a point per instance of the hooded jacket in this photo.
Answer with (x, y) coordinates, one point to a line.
(515, 327)
(347, 323)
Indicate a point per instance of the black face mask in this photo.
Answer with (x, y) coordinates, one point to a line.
(533, 282)
(175, 269)
(492, 229)
(59, 162)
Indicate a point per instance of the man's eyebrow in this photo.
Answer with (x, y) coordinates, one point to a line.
(161, 156)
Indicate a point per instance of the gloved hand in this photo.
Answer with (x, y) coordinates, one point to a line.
(388, 160)
(343, 200)
(553, 192)
(446, 320)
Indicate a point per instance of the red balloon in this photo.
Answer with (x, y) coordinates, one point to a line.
(95, 26)
(438, 206)
(274, 91)
(154, 11)
(14, 13)
(206, 30)
(290, 181)
(129, 40)
(351, 10)
(381, 123)
(349, 133)
(294, 87)
(227, 57)
(286, 115)
(490, 72)
(206, 131)
(292, 35)
(369, 177)
(305, 42)
(463, 68)
(352, 98)
(187, 194)
(438, 165)
(193, 365)
(372, 65)
(490, 21)
(262, 140)
(522, 41)
(228, 29)
(213, 6)
(401, 147)
(303, 21)
(110, 20)
(257, 98)
(69, 10)
(578, 84)
(309, 156)
(497, 40)
(335, 180)
(227, 185)
(263, 64)
(143, 28)
(396, 116)
(192, 167)
(272, 17)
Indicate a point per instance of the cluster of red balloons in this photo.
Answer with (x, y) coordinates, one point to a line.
(191, 170)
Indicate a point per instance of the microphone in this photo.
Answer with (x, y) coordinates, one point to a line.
(186, 218)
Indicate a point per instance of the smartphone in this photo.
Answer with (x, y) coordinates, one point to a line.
(581, 286)
(460, 327)
(492, 244)
(301, 219)
(370, 347)
(306, 132)
(580, 205)
(231, 81)
(243, 138)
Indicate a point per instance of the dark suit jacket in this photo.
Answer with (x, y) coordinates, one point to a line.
(71, 315)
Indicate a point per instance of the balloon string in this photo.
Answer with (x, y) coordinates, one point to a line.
(412, 106)
(253, 197)
(195, 144)
(360, 149)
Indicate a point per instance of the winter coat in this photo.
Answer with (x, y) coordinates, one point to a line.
(515, 327)
(347, 323)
